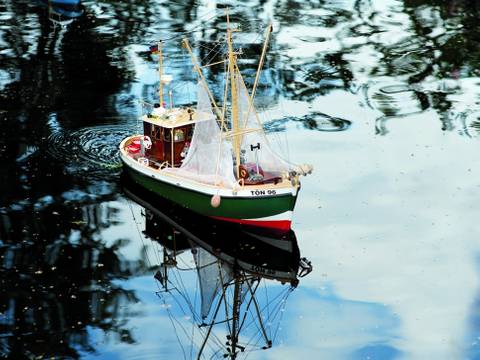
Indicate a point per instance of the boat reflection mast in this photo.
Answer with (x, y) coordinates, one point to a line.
(230, 282)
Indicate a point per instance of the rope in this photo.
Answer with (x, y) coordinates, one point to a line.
(171, 318)
(140, 235)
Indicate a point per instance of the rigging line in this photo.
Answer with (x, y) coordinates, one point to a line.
(278, 311)
(193, 323)
(258, 335)
(182, 285)
(282, 306)
(214, 337)
(207, 265)
(214, 63)
(277, 305)
(210, 64)
(260, 322)
(195, 268)
(224, 296)
(139, 234)
(215, 354)
(185, 294)
(219, 45)
(210, 328)
(156, 250)
(176, 286)
(210, 49)
(143, 243)
(283, 112)
(282, 311)
(186, 269)
(226, 67)
(266, 296)
(249, 352)
(191, 31)
(171, 318)
(194, 314)
(248, 306)
(247, 312)
(220, 343)
(251, 108)
(188, 85)
(180, 305)
(196, 320)
(253, 343)
(281, 294)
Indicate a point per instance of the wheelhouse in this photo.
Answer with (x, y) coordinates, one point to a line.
(170, 134)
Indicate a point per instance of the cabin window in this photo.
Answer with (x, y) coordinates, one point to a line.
(179, 135)
(147, 128)
(156, 133)
(166, 135)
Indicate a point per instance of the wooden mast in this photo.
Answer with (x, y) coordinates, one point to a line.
(260, 64)
(257, 77)
(160, 71)
(235, 315)
(233, 87)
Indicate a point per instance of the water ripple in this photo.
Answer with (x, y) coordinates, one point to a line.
(396, 99)
(469, 123)
(91, 150)
(314, 121)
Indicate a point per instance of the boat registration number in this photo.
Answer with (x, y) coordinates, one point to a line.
(262, 270)
(263, 192)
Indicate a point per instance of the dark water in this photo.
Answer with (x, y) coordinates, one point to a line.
(381, 97)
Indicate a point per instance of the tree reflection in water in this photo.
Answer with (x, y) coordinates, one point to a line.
(56, 281)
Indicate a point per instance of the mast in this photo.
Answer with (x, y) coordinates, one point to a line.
(160, 71)
(233, 84)
(260, 64)
(235, 315)
(257, 76)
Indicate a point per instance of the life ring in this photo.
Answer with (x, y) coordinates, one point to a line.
(243, 173)
(147, 142)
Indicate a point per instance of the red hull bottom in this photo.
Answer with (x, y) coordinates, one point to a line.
(280, 225)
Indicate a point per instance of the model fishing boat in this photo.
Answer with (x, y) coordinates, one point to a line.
(215, 160)
(220, 295)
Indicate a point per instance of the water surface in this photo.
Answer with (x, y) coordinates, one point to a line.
(381, 97)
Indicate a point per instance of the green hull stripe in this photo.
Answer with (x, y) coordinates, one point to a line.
(236, 208)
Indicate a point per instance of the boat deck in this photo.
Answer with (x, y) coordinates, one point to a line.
(270, 180)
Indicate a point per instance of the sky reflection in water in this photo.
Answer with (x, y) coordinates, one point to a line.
(381, 97)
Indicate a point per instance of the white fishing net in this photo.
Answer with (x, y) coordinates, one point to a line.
(212, 275)
(209, 159)
(254, 145)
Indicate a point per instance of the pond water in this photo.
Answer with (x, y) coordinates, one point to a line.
(381, 97)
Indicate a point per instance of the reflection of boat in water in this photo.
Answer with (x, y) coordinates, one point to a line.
(230, 307)
(63, 12)
(214, 160)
